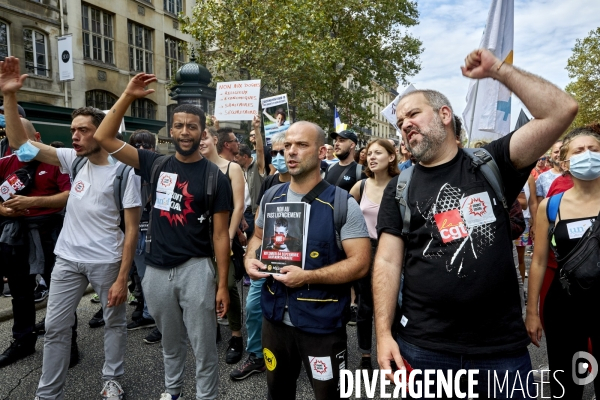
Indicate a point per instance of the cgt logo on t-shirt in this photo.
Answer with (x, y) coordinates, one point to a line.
(451, 225)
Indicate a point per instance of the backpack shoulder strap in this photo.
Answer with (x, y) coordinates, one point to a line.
(552, 207)
(481, 159)
(3, 146)
(157, 166)
(402, 197)
(340, 209)
(269, 195)
(344, 172)
(120, 184)
(359, 171)
(212, 172)
(76, 166)
(363, 183)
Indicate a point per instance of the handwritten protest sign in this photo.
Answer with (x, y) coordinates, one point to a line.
(237, 101)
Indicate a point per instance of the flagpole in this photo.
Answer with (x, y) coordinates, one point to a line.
(473, 115)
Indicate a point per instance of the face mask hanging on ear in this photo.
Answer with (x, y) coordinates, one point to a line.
(27, 152)
(2, 121)
(585, 166)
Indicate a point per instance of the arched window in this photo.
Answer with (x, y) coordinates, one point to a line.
(143, 108)
(4, 40)
(100, 99)
(36, 52)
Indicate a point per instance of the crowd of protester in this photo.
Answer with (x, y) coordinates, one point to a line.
(417, 239)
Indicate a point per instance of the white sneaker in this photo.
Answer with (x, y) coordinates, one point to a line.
(542, 372)
(167, 396)
(112, 391)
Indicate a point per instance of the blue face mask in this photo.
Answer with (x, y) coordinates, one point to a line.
(27, 152)
(2, 121)
(279, 163)
(585, 166)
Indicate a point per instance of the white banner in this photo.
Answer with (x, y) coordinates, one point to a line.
(487, 115)
(390, 111)
(65, 58)
(237, 101)
(268, 102)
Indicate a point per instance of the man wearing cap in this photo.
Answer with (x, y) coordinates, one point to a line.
(4, 147)
(346, 172)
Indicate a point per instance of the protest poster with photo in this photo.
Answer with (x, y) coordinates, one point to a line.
(285, 232)
(276, 115)
(237, 101)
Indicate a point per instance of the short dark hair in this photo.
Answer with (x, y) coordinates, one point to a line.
(282, 222)
(281, 111)
(222, 137)
(57, 144)
(142, 136)
(191, 109)
(245, 150)
(96, 114)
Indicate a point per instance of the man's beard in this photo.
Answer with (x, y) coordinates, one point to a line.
(431, 142)
(343, 156)
(93, 150)
(185, 153)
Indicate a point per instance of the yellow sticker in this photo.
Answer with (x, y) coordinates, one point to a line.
(314, 254)
(270, 360)
(269, 267)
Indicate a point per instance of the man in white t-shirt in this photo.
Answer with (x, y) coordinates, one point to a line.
(91, 247)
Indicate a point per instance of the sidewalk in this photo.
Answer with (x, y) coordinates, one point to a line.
(6, 305)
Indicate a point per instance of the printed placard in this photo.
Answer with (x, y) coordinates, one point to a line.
(237, 101)
(6, 190)
(477, 209)
(79, 188)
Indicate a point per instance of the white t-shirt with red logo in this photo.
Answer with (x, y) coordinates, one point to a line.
(91, 232)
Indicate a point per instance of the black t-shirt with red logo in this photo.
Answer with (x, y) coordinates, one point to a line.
(460, 291)
(182, 232)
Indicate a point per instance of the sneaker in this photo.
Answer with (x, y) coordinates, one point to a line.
(234, 350)
(112, 391)
(40, 328)
(167, 396)
(542, 373)
(97, 320)
(252, 365)
(17, 350)
(141, 323)
(154, 337)
(6, 291)
(74, 356)
(365, 363)
(95, 299)
(41, 293)
(246, 280)
(222, 321)
(353, 312)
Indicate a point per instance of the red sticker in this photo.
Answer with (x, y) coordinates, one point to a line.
(451, 225)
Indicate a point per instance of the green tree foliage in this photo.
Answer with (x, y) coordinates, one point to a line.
(309, 48)
(584, 69)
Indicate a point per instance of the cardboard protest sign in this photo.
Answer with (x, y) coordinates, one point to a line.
(237, 101)
(275, 115)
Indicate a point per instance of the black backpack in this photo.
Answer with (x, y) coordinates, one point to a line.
(211, 178)
(119, 184)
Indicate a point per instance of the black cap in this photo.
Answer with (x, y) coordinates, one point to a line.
(21, 111)
(347, 134)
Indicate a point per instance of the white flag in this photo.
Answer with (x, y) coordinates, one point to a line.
(487, 115)
(65, 58)
(389, 112)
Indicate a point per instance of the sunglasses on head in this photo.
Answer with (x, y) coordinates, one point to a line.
(275, 152)
(143, 145)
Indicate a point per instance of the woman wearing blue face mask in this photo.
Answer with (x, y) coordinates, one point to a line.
(571, 318)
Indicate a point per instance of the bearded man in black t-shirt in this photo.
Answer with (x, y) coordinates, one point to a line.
(180, 279)
(344, 173)
(461, 306)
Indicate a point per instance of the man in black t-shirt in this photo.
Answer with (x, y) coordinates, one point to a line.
(180, 279)
(344, 173)
(460, 296)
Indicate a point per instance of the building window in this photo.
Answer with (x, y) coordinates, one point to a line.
(143, 108)
(140, 48)
(173, 6)
(174, 53)
(4, 43)
(35, 52)
(98, 38)
(100, 99)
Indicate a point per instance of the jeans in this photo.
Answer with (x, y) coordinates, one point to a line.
(515, 368)
(254, 318)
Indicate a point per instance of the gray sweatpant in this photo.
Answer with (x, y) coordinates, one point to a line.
(69, 280)
(182, 300)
